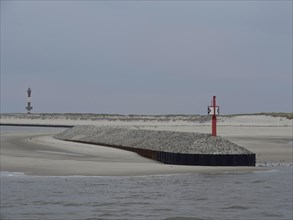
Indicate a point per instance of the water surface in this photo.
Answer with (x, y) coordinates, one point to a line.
(255, 195)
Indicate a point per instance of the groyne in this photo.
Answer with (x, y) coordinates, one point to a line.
(180, 148)
(36, 125)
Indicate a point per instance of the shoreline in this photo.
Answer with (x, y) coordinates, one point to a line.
(33, 151)
(46, 156)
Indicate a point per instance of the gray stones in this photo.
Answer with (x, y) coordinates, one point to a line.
(163, 141)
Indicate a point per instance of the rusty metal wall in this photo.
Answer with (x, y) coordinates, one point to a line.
(190, 159)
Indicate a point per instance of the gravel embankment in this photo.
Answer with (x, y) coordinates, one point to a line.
(165, 141)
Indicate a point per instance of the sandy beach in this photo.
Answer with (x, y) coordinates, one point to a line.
(36, 152)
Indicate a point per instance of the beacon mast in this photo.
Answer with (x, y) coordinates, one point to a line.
(29, 107)
(214, 111)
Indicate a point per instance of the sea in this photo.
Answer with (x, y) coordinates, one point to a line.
(258, 195)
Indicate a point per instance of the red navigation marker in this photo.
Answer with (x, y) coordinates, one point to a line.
(214, 110)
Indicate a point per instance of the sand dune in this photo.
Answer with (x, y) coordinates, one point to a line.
(143, 120)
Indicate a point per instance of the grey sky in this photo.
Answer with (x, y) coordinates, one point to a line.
(146, 57)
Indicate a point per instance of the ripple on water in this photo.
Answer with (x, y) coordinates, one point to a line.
(236, 207)
(177, 197)
(185, 218)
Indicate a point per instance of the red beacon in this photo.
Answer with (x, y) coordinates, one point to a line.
(214, 110)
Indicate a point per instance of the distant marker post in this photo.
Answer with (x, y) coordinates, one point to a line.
(214, 111)
(29, 107)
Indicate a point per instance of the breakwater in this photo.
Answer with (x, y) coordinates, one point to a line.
(181, 148)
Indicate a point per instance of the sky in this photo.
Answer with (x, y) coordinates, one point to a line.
(146, 57)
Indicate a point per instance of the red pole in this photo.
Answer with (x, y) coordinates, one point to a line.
(214, 118)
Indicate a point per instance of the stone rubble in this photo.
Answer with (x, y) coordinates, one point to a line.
(165, 141)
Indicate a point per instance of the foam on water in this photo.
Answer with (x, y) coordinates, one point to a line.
(15, 174)
(266, 171)
(7, 173)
